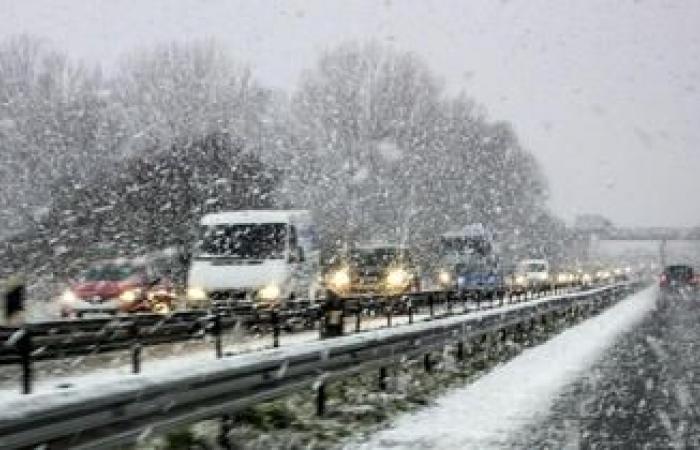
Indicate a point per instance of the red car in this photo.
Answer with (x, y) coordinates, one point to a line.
(117, 286)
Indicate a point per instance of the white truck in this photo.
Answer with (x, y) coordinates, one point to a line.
(254, 259)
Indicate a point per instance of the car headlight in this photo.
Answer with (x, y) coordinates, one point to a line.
(196, 294)
(521, 280)
(340, 279)
(444, 277)
(130, 296)
(69, 296)
(397, 278)
(271, 292)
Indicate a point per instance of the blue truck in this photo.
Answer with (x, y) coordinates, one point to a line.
(469, 264)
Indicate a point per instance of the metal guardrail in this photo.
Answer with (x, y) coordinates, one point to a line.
(118, 413)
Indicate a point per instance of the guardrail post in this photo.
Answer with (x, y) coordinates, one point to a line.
(224, 430)
(427, 363)
(24, 347)
(135, 348)
(389, 312)
(217, 335)
(382, 378)
(321, 399)
(274, 318)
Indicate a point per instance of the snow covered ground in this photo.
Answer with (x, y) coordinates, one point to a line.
(489, 411)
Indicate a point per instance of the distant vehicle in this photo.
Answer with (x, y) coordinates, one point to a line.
(119, 286)
(468, 262)
(254, 259)
(678, 282)
(372, 270)
(531, 274)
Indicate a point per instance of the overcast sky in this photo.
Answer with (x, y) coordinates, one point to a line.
(605, 93)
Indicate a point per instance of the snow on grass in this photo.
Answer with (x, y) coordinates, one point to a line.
(484, 414)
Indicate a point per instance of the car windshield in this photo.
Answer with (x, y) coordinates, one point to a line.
(379, 257)
(679, 272)
(108, 272)
(244, 241)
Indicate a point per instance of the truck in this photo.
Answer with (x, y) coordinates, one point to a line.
(254, 260)
(468, 262)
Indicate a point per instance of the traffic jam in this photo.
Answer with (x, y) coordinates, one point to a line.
(264, 260)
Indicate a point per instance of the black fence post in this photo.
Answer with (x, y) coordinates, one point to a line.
(321, 399)
(358, 319)
(24, 347)
(410, 314)
(431, 305)
(460, 351)
(449, 304)
(427, 363)
(224, 429)
(135, 348)
(217, 335)
(382, 378)
(389, 312)
(274, 317)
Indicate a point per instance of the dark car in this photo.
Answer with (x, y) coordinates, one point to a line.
(372, 270)
(678, 282)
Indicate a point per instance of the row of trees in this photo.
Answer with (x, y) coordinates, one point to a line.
(369, 141)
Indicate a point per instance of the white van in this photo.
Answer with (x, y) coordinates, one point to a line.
(534, 273)
(256, 258)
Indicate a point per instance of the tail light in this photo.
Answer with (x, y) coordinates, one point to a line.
(664, 280)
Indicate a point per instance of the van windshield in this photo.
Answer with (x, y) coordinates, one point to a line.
(243, 241)
(535, 267)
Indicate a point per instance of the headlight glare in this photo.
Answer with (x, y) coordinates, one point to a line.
(444, 277)
(340, 278)
(397, 278)
(196, 294)
(271, 292)
(69, 296)
(130, 296)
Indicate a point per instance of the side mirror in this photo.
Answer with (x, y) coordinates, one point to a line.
(296, 255)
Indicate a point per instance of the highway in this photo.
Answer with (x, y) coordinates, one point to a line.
(644, 393)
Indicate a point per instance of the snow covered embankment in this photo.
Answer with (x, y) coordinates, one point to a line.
(490, 410)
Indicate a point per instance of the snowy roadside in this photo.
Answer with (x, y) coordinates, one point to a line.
(486, 413)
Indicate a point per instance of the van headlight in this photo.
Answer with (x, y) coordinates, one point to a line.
(130, 296)
(444, 277)
(271, 292)
(340, 279)
(397, 278)
(68, 297)
(196, 294)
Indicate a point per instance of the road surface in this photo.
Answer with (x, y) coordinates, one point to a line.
(645, 392)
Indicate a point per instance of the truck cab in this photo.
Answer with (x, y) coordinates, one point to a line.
(468, 262)
(254, 259)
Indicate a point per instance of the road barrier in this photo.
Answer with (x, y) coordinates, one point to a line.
(118, 413)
